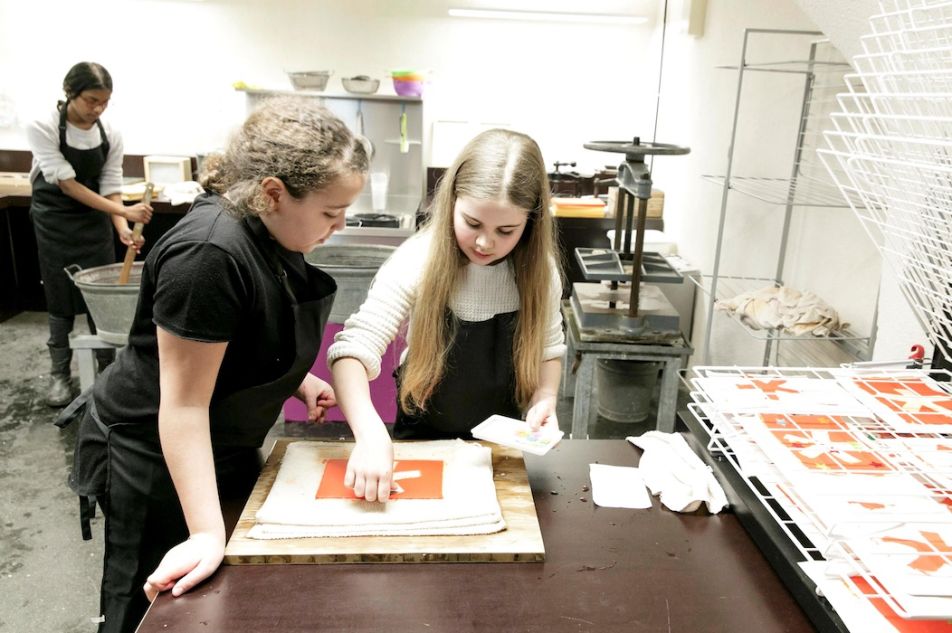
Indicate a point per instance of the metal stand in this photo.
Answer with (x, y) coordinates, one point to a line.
(578, 373)
(84, 345)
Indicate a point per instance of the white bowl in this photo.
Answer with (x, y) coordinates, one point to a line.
(309, 79)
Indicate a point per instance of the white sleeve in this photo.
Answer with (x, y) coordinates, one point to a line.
(110, 180)
(555, 336)
(369, 331)
(42, 137)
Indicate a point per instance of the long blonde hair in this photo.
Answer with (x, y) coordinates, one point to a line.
(496, 165)
(291, 138)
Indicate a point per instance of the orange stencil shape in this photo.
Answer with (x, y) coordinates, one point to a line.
(830, 451)
(868, 505)
(770, 387)
(902, 625)
(914, 400)
(412, 479)
(934, 551)
(802, 421)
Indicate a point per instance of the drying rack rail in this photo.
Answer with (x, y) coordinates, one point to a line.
(800, 450)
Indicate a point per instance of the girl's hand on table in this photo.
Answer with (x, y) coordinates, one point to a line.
(186, 565)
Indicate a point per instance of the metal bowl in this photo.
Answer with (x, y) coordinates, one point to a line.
(309, 79)
(360, 85)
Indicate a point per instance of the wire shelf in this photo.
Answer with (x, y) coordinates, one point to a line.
(845, 466)
(802, 66)
(728, 286)
(803, 191)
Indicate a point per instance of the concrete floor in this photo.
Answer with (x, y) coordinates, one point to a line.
(49, 576)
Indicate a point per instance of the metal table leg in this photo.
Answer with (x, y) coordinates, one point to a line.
(668, 394)
(583, 414)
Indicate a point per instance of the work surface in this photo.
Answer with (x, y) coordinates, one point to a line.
(521, 541)
(606, 569)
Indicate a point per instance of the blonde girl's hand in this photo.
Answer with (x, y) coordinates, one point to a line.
(542, 411)
(139, 212)
(370, 467)
(317, 395)
(186, 565)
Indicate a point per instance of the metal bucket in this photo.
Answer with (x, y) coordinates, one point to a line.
(112, 306)
(625, 389)
(353, 267)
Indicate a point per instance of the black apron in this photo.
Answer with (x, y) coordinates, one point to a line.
(68, 232)
(478, 381)
(143, 514)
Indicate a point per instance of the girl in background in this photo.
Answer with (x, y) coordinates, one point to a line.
(76, 203)
(479, 288)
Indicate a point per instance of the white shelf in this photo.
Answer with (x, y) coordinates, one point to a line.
(266, 92)
(817, 348)
(802, 191)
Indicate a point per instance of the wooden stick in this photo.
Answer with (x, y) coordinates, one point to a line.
(136, 233)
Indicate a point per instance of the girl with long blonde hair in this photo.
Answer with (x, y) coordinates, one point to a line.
(478, 292)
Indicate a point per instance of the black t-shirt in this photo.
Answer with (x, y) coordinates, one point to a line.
(211, 278)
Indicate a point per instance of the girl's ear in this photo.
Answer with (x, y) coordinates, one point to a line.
(273, 189)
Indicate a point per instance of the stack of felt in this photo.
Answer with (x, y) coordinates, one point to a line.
(468, 504)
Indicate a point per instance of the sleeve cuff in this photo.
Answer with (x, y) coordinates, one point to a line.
(553, 352)
(343, 349)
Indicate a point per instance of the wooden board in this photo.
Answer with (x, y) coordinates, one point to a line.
(521, 541)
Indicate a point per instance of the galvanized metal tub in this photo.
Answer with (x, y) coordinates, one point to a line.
(111, 304)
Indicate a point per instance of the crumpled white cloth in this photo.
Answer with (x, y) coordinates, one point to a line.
(670, 468)
(786, 308)
(182, 192)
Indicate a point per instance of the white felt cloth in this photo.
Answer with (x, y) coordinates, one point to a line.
(794, 311)
(469, 504)
(670, 468)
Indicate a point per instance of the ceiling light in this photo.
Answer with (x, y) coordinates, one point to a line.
(547, 16)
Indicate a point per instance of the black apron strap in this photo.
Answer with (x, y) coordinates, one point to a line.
(87, 512)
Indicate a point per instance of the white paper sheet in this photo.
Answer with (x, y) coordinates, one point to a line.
(618, 487)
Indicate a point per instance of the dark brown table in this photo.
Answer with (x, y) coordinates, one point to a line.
(606, 569)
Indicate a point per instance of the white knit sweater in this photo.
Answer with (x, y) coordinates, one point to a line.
(484, 292)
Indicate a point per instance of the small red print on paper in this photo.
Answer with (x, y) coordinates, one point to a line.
(412, 479)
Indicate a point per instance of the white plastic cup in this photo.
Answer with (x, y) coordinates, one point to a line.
(379, 183)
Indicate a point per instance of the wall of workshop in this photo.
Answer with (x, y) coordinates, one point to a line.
(828, 251)
(174, 62)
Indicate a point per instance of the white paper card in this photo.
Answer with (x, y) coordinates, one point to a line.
(517, 434)
(618, 487)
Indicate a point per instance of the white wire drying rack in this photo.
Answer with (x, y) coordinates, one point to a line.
(887, 442)
(890, 151)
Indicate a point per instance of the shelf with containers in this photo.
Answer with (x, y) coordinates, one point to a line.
(806, 188)
(394, 126)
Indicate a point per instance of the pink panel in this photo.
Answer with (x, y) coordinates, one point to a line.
(383, 390)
